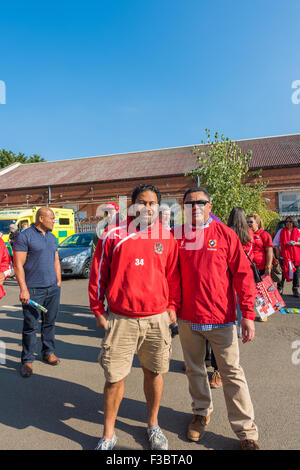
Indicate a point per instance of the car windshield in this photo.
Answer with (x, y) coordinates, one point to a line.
(77, 240)
(4, 225)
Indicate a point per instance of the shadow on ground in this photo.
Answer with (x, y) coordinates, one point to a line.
(46, 403)
(67, 324)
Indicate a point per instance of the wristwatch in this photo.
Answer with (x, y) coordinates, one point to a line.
(268, 267)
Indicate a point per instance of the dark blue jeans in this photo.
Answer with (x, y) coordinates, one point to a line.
(48, 297)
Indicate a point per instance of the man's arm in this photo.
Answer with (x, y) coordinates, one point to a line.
(173, 278)
(19, 261)
(57, 269)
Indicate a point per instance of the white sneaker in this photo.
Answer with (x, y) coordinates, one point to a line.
(157, 439)
(106, 444)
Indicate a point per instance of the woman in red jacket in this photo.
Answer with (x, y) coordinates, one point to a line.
(262, 245)
(290, 252)
(262, 248)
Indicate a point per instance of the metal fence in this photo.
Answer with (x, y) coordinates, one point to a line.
(84, 227)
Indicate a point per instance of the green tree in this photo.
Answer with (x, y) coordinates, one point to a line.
(224, 171)
(7, 157)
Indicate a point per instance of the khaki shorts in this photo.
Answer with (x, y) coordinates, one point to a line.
(149, 337)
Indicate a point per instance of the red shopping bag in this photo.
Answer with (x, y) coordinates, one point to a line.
(268, 300)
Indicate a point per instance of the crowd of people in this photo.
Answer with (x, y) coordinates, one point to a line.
(197, 277)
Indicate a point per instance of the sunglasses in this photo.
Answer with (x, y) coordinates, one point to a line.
(198, 203)
(250, 222)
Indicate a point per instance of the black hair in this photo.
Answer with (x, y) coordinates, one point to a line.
(142, 188)
(195, 189)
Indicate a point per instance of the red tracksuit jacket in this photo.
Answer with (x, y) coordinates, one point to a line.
(139, 276)
(212, 274)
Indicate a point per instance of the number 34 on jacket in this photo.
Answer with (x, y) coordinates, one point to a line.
(138, 272)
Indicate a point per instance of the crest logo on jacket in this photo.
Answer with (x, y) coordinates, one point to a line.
(158, 248)
(212, 245)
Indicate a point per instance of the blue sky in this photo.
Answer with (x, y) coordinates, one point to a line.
(108, 76)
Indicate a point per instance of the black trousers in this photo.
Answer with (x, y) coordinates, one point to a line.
(210, 357)
(295, 278)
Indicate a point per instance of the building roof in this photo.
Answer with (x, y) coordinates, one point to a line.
(268, 152)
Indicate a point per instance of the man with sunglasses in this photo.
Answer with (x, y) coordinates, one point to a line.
(214, 268)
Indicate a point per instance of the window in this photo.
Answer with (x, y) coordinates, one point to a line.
(175, 212)
(22, 223)
(4, 225)
(76, 240)
(170, 201)
(289, 202)
(64, 221)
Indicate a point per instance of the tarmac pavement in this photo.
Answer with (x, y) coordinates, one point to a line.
(60, 408)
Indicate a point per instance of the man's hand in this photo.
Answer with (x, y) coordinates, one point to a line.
(101, 321)
(248, 330)
(2, 278)
(24, 296)
(172, 315)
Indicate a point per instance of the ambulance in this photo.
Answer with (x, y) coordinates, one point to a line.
(64, 225)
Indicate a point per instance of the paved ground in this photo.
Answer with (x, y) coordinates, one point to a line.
(61, 407)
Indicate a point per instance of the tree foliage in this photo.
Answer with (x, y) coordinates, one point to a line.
(224, 172)
(7, 157)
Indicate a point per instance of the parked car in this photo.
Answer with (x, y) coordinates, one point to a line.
(75, 254)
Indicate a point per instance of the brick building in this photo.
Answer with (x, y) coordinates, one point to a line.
(85, 183)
